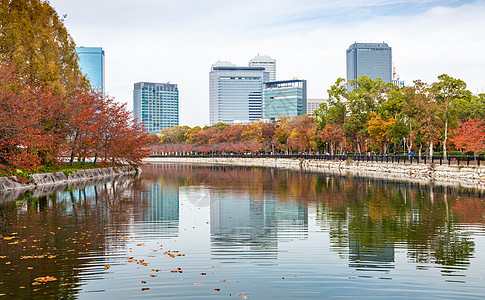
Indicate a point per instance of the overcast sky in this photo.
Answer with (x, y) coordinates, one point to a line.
(179, 40)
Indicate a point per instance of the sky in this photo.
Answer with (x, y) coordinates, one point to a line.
(177, 41)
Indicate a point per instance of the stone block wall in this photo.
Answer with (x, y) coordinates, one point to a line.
(38, 181)
(471, 177)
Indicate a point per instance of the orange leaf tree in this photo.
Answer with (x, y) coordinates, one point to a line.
(470, 136)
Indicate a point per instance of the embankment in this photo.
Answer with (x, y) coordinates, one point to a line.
(47, 181)
(470, 177)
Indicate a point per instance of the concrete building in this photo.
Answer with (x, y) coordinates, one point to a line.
(268, 63)
(156, 105)
(235, 92)
(373, 60)
(284, 98)
(313, 104)
(91, 62)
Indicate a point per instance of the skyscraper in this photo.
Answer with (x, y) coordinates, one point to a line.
(235, 92)
(156, 105)
(268, 63)
(91, 62)
(373, 60)
(284, 98)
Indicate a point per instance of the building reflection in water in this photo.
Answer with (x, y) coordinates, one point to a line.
(161, 216)
(244, 226)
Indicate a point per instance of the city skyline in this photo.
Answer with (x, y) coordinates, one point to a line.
(309, 43)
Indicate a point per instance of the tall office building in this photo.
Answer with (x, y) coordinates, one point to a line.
(284, 98)
(156, 105)
(235, 92)
(268, 63)
(314, 104)
(373, 60)
(91, 62)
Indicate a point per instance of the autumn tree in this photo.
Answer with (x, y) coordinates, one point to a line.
(470, 136)
(379, 131)
(302, 137)
(332, 135)
(35, 41)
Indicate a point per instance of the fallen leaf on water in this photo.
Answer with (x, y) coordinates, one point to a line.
(107, 267)
(30, 268)
(144, 289)
(245, 297)
(143, 281)
(153, 275)
(198, 283)
(217, 289)
(45, 279)
(203, 273)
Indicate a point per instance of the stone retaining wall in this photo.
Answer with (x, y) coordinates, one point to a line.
(471, 177)
(47, 180)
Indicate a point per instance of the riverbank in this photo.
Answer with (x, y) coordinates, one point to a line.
(470, 177)
(37, 181)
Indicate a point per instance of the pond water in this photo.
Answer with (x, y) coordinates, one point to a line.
(188, 231)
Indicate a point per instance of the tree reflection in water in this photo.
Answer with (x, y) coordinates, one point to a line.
(71, 234)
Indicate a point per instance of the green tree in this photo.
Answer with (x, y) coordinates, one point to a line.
(451, 94)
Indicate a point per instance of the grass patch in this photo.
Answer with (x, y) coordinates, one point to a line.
(66, 168)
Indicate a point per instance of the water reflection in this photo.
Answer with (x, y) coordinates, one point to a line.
(245, 226)
(279, 220)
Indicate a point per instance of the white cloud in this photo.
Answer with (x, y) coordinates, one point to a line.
(177, 41)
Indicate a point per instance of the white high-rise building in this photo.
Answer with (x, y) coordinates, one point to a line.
(314, 104)
(268, 63)
(235, 92)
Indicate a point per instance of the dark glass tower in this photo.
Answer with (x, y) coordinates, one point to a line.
(373, 60)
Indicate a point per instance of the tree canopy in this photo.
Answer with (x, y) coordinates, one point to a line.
(35, 41)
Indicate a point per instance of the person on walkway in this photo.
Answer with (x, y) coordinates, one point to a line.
(411, 153)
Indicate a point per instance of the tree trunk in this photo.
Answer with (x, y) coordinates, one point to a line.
(446, 137)
(431, 147)
(410, 136)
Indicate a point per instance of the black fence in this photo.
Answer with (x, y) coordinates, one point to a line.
(401, 159)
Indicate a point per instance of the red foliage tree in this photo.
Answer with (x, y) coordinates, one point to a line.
(470, 136)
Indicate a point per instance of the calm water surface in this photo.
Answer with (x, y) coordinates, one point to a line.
(182, 231)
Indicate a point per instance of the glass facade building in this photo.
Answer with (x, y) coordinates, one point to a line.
(373, 60)
(268, 63)
(156, 105)
(284, 98)
(91, 62)
(235, 93)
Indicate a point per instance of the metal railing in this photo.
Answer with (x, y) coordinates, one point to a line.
(459, 160)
